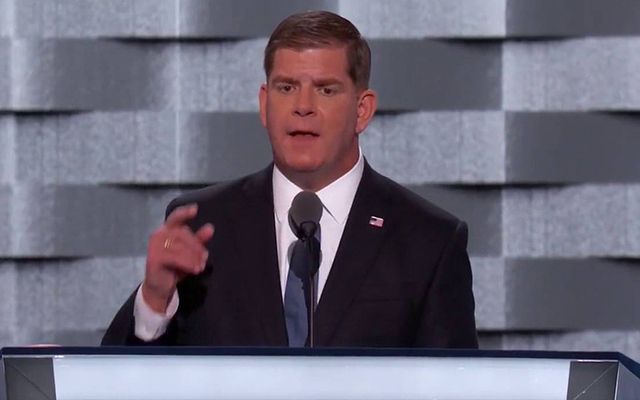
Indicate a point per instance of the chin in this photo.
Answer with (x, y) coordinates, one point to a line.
(300, 165)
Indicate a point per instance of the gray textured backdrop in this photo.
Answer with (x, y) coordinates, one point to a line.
(521, 116)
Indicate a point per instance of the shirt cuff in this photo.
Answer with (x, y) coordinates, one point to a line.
(150, 325)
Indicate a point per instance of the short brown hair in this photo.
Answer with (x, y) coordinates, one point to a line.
(322, 29)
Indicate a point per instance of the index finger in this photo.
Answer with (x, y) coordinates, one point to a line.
(181, 215)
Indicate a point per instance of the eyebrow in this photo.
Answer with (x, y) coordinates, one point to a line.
(316, 82)
(279, 78)
(327, 82)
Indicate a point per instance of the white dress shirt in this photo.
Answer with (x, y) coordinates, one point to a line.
(336, 199)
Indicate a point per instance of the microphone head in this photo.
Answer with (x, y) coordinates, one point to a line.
(305, 213)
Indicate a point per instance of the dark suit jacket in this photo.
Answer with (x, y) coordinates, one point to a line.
(406, 284)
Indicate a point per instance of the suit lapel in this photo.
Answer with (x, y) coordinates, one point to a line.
(257, 247)
(356, 254)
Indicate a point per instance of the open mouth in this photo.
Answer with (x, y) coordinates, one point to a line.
(303, 134)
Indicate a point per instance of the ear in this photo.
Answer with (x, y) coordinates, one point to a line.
(262, 99)
(367, 105)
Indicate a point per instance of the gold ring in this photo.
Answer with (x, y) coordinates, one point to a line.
(167, 243)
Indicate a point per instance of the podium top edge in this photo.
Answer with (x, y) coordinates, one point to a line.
(51, 351)
(324, 351)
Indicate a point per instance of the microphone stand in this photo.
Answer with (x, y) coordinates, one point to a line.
(312, 290)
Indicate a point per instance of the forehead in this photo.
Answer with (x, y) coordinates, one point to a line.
(315, 62)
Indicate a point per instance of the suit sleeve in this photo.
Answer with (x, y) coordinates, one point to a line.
(447, 319)
(121, 331)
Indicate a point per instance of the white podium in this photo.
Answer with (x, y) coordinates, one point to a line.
(161, 373)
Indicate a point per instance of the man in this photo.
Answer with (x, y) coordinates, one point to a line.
(394, 269)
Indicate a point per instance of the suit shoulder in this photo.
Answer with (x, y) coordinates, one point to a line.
(206, 194)
(415, 208)
(222, 194)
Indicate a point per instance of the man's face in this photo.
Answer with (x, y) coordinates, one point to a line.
(314, 114)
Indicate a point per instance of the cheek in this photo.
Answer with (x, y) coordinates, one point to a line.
(279, 108)
(341, 115)
(273, 117)
(343, 125)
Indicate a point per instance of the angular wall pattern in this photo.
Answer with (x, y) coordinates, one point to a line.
(522, 117)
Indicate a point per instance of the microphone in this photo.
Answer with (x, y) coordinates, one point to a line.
(304, 214)
(304, 219)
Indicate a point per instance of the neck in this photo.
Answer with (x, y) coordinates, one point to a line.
(307, 181)
(317, 180)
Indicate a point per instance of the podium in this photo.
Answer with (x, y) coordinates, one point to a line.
(136, 373)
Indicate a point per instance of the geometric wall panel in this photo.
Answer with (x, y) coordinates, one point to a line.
(76, 221)
(117, 220)
(199, 148)
(426, 18)
(152, 18)
(83, 148)
(520, 117)
(555, 294)
(8, 305)
(83, 75)
(498, 147)
(445, 146)
(246, 18)
(5, 73)
(220, 76)
(93, 18)
(545, 294)
(572, 147)
(6, 232)
(70, 18)
(7, 150)
(572, 17)
(141, 148)
(624, 341)
(68, 301)
(436, 75)
(220, 146)
(573, 221)
(573, 74)
(480, 208)
(6, 18)
(239, 18)
(77, 74)
(489, 292)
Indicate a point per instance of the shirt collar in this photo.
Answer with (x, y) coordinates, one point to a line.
(337, 197)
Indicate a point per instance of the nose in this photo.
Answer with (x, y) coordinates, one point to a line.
(304, 103)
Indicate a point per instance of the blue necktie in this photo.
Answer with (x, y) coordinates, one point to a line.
(296, 295)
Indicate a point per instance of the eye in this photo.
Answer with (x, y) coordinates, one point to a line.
(327, 90)
(285, 87)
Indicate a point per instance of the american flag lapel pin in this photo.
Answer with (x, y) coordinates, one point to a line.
(376, 221)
